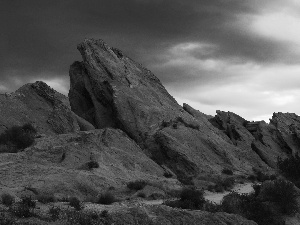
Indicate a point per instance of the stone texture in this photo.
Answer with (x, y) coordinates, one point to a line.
(288, 126)
(268, 143)
(37, 103)
(58, 164)
(108, 89)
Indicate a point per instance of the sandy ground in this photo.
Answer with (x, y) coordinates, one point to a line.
(217, 197)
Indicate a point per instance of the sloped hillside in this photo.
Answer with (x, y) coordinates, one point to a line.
(58, 164)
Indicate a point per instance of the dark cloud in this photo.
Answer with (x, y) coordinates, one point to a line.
(39, 37)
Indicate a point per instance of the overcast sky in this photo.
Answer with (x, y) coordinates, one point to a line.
(233, 55)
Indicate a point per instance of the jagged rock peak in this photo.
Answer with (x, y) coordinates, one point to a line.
(107, 86)
(100, 56)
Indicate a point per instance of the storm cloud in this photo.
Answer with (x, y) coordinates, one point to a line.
(241, 56)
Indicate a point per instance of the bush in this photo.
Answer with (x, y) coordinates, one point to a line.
(227, 171)
(92, 164)
(141, 195)
(252, 178)
(248, 206)
(7, 219)
(75, 202)
(137, 185)
(186, 180)
(106, 198)
(256, 188)
(45, 198)
(224, 185)
(27, 200)
(7, 199)
(282, 193)
(168, 174)
(232, 203)
(261, 177)
(211, 188)
(54, 213)
(17, 138)
(189, 199)
(290, 166)
(25, 208)
(211, 207)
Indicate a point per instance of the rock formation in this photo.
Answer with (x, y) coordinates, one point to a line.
(37, 103)
(108, 89)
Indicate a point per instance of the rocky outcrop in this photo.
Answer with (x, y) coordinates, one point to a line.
(58, 164)
(108, 89)
(280, 138)
(288, 127)
(37, 103)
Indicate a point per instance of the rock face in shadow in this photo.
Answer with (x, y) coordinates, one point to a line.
(37, 103)
(108, 89)
(58, 164)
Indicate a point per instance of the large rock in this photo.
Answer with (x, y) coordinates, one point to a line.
(108, 89)
(268, 143)
(288, 126)
(58, 164)
(37, 103)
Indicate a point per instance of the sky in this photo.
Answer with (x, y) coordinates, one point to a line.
(241, 56)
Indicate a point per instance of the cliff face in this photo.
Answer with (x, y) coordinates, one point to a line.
(108, 89)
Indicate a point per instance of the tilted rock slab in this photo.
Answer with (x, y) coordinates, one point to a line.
(57, 165)
(279, 138)
(108, 89)
(46, 109)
